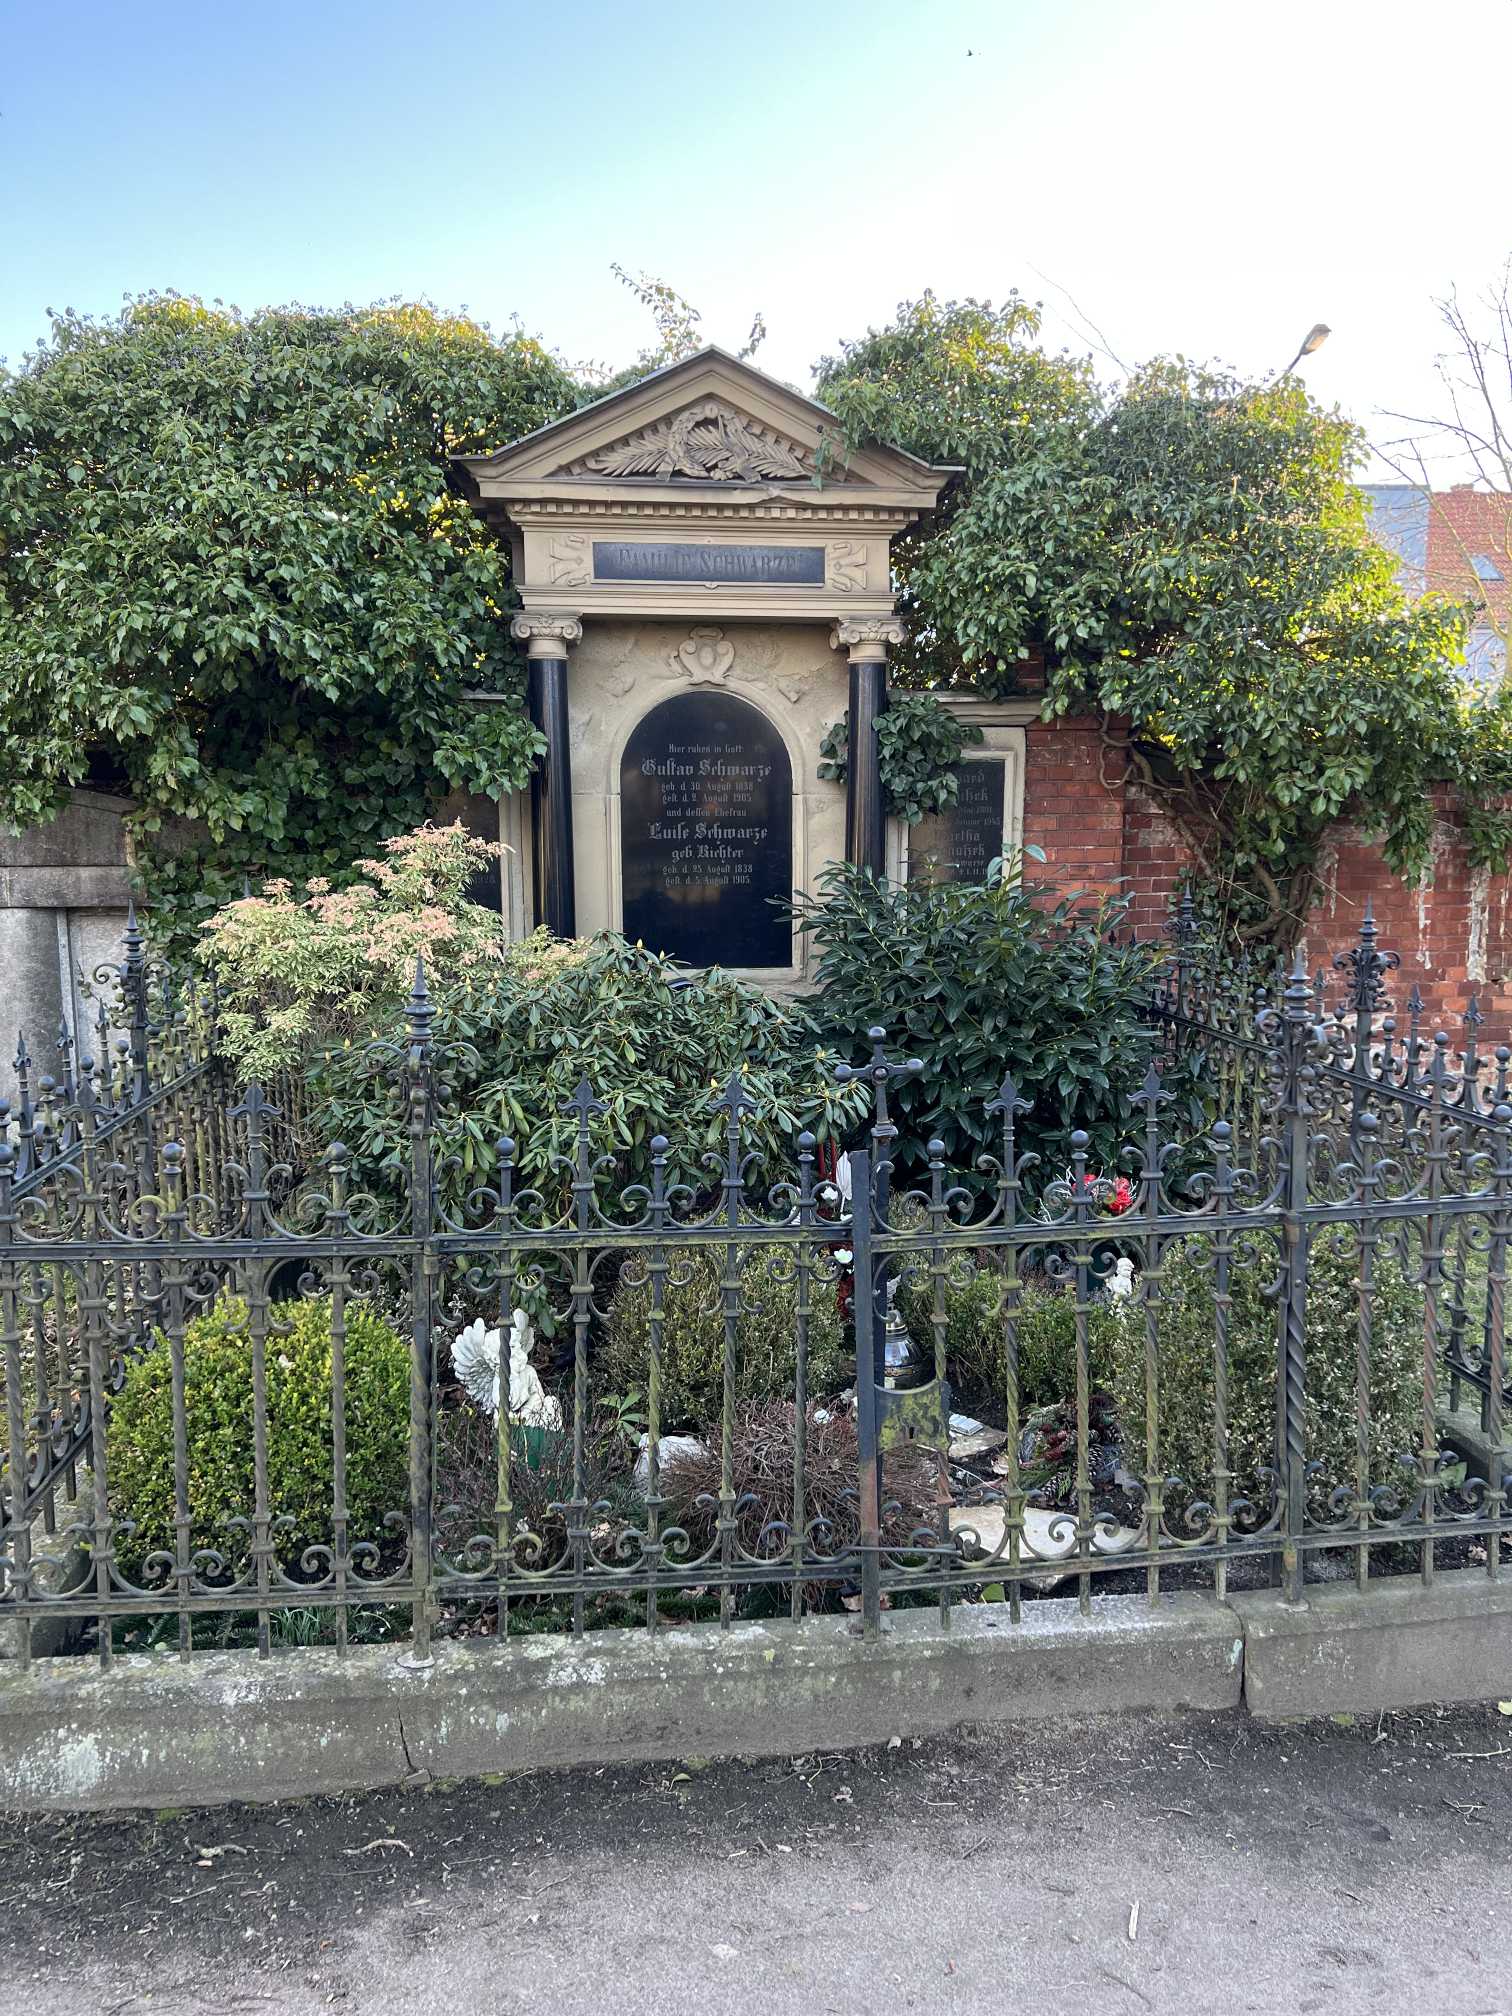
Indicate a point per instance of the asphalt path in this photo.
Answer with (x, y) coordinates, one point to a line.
(1193, 1864)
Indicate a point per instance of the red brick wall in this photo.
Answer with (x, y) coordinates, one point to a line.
(1074, 807)
(1101, 833)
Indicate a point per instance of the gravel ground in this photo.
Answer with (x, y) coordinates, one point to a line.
(1204, 1863)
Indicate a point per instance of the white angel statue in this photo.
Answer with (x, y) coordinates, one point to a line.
(476, 1353)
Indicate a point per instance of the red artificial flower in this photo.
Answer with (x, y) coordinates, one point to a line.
(1116, 1198)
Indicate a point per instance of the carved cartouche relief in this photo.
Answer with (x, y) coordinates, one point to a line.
(706, 656)
(707, 442)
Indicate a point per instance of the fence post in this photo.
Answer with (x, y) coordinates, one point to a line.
(1183, 934)
(1494, 1359)
(133, 972)
(420, 1093)
(1291, 1449)
(15, 1499)
(869, 1459)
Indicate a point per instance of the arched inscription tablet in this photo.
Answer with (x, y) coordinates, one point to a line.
(706, 833)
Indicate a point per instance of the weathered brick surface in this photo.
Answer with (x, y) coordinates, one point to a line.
(1101, 833)
(1074, 807)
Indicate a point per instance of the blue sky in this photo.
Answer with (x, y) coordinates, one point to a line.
(1209, 176)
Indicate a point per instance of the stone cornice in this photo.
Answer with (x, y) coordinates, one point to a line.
(814, 508)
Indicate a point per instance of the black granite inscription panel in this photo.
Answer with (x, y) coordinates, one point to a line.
(959, 845)
(706, 833)
(750, 566)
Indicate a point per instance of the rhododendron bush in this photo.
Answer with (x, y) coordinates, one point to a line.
(309, 980)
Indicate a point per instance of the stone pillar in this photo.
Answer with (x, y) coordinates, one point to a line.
(64, 892)
(865, 639)
(548, 638)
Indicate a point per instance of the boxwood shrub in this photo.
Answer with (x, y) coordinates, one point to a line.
(219, 1413)
(976, 1343)
(766, 1334)
(1186, 1330)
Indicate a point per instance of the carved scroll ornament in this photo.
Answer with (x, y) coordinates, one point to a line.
(708, 442)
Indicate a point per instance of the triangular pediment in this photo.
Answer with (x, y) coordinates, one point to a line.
(711, 419)
(708, 440)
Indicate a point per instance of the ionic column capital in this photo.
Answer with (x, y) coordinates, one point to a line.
(546, 633)
(866, 638)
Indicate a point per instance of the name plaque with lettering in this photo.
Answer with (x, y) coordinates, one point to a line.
(959, 845)
(706, 833)
(750, 566)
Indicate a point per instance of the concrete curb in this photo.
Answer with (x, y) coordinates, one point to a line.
(1396, 1645)
(154, 1732)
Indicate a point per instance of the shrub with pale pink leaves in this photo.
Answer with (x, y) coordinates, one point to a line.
(298, 972)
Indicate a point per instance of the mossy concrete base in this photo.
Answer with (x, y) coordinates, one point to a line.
(225, 1726)
(1393, 1645)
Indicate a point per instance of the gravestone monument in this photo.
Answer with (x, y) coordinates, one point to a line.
(706, 845)
(961, 843)
(706, 588)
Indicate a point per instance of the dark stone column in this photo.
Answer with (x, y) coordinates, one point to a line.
(866, 639)
(865, 814)
(555, 897)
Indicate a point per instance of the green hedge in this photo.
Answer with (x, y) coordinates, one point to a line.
(219, 1416)
(1186, 1332)
(766, 1334)
(975, 1340)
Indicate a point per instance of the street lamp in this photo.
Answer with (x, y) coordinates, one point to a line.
(1315, 338)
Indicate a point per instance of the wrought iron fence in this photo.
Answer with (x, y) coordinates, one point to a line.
(1290, 1291)
(147, 1076)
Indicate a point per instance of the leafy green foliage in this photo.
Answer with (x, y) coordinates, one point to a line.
(238, 578)
(919, 748)
(218, 1389)
(976, 1337)
(1191, 558)
(956, 382)
(692, 1343)
(978, 980)
(657, 1046)
(1186, 1330)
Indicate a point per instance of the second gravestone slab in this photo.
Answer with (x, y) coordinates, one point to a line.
(706, 833)
(959, 845)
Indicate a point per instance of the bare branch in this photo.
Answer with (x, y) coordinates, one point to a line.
(1098, 339)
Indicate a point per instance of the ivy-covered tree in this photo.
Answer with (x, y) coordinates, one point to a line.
(238, 580)
(1191, 558)
(963, 383)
